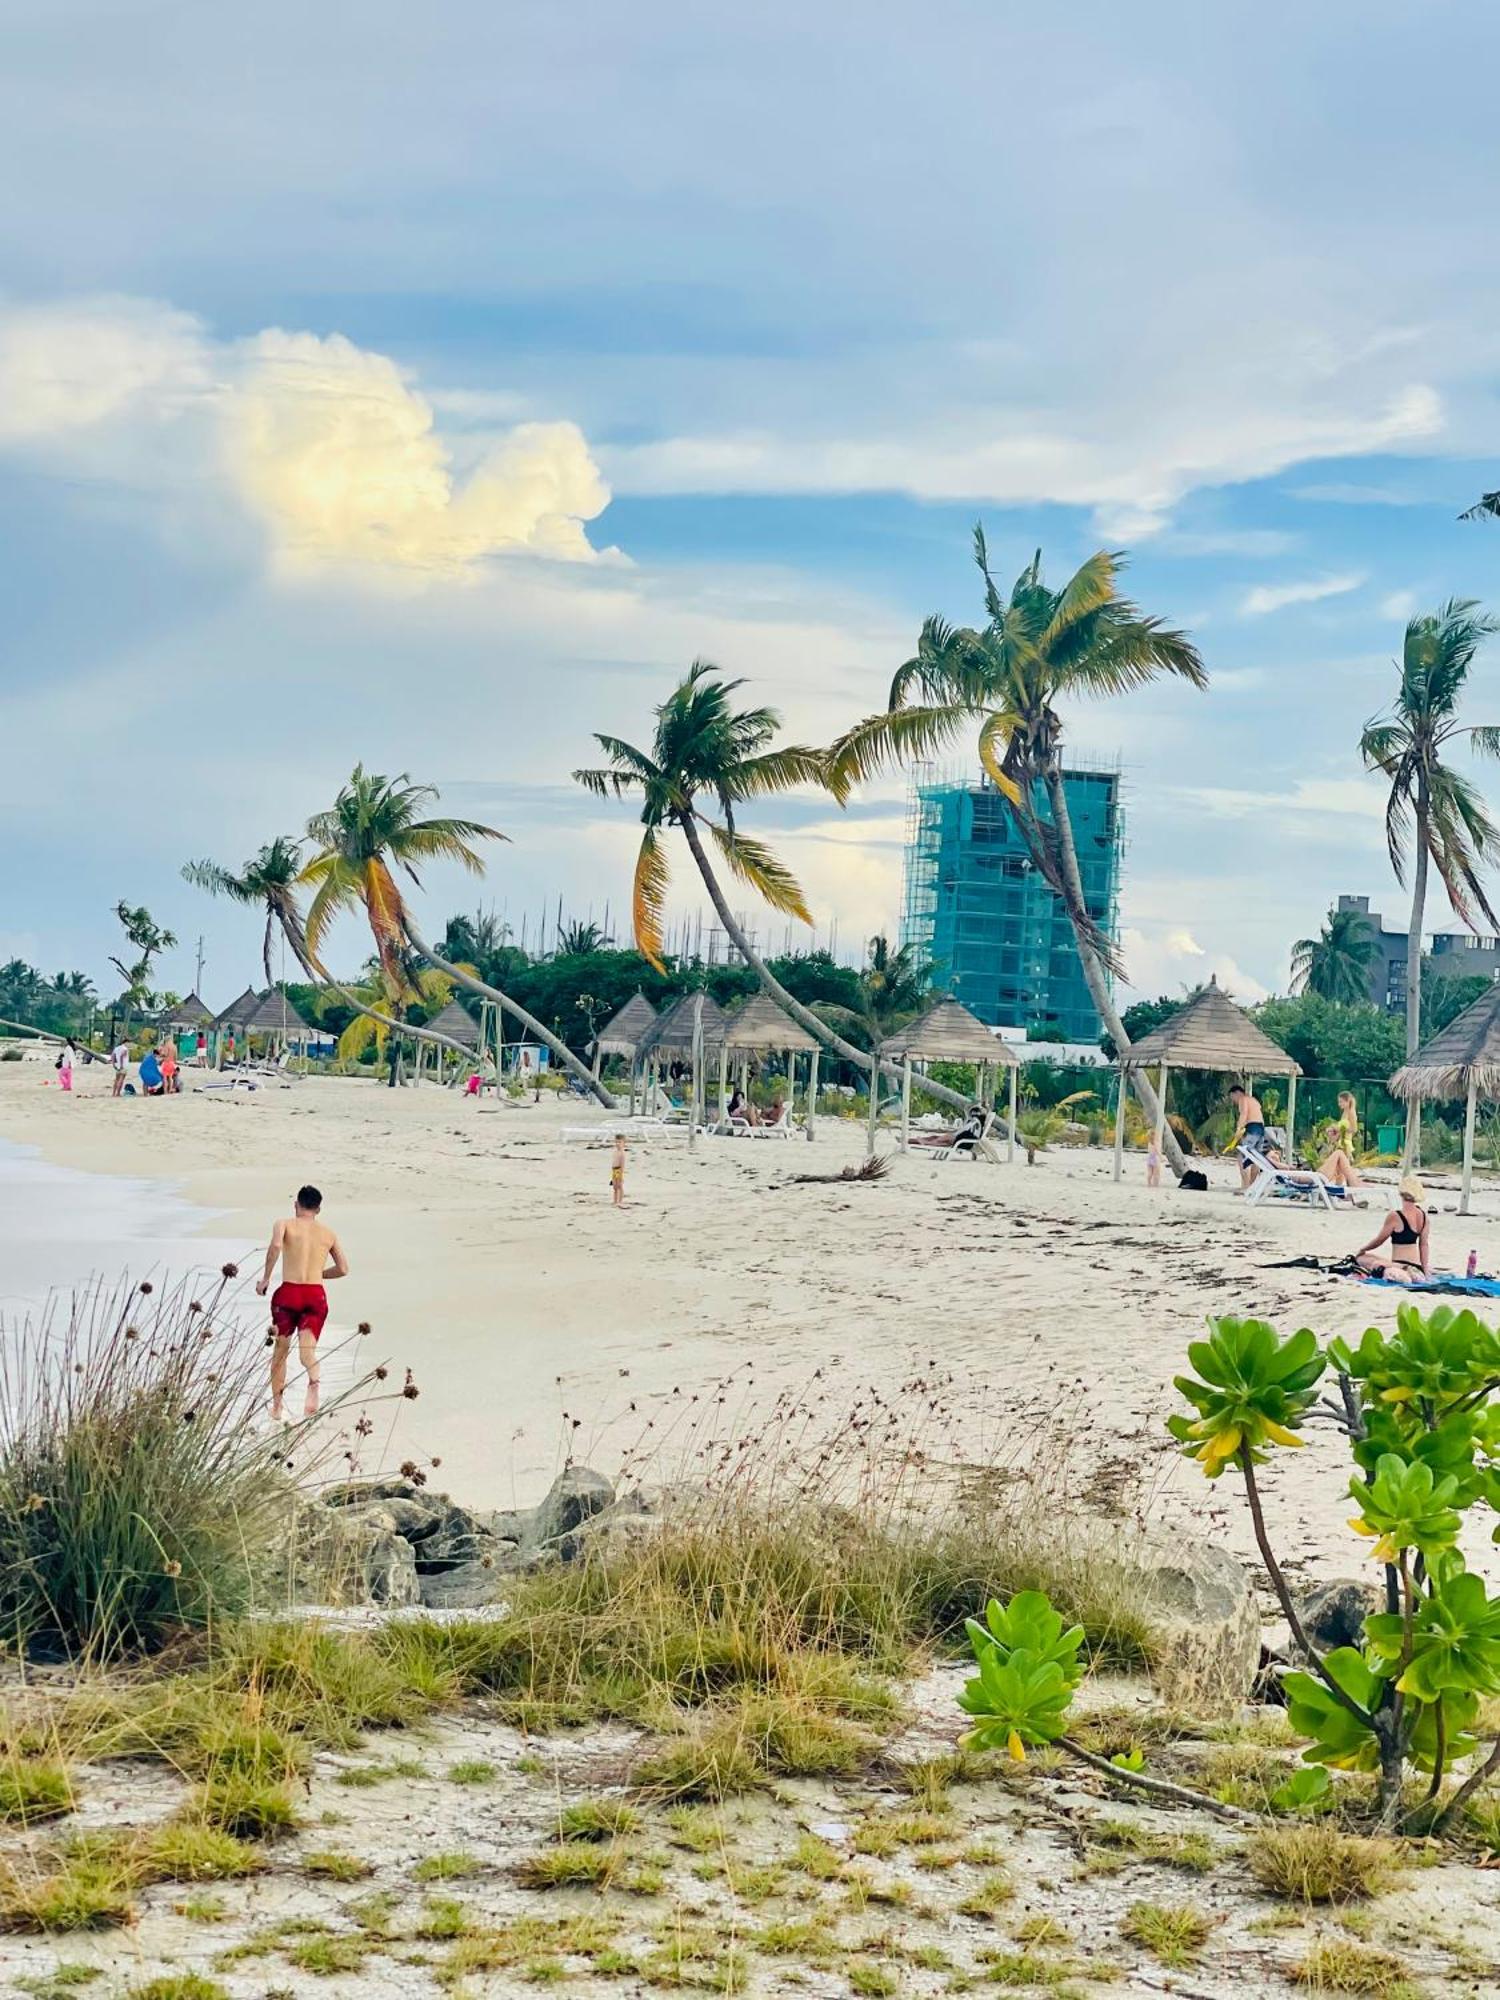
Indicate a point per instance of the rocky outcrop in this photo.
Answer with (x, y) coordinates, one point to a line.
(1334, 1613)
(1200, 1606)
(390, 1541)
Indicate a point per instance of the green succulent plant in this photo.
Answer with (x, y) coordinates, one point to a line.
(1251, 1390)
(1029, 1667)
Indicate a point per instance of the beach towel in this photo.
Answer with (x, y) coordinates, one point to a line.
(1471, 1288)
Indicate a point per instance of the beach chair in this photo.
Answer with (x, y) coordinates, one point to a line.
(1299, 1184)
(969, 1145)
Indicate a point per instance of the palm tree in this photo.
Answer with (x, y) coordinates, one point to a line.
(1336, 963)
(150, 940)
(270, 879)
(1433, 814)
(704, 750)
(373, 829)
(578, 940)
(894, 986)
(1036, 649)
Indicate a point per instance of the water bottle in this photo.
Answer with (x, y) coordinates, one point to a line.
(1473, 1264)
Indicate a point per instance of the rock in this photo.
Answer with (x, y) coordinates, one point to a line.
(575, 1496)
(506, 1524)
(1334, 1613)
(340, 1555)
(469, 1585)
(1201, 1605)
(455, 1538)
(359, 1492)
(619, 1529)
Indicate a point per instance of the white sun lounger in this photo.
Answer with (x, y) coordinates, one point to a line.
(1300, 1184)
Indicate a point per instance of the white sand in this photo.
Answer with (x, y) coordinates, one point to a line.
(489, 1260)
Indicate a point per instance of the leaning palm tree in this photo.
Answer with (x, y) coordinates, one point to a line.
(708, 758)
(268, 880)
(375, 829)
(1036, 649)
(1336, 963)
(1433, 814)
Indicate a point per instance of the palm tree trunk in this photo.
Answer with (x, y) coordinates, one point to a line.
(528, 1021)
(1411, 1151)
(1104, 1004)
(297, 939)
(265, 948)
(814, 1026)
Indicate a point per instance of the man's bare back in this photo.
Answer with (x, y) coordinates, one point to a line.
(307, 1246)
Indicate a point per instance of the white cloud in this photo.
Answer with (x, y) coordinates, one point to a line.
(328, 446)
(1400, 605)
(1341, 798)
(1173, 962)
(1268, 597)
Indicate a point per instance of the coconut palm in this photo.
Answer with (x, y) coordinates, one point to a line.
(1037, 648)
(1336, 963)
(150, 940)
(1434, 818)
(894, 987)
(268, 880)
(375, 829)
(708, 758)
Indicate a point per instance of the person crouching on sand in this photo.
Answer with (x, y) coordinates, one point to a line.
(309, 1254)
(617, 1171)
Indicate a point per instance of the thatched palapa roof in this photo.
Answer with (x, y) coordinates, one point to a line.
(1466, 1051)
(275, 1015)
(624, 1031)
(948, 1032)
(238, 1012)
(1210, 1032)
(189, 1013)
(671, 1033)
(457, 1023)
(761, 1024)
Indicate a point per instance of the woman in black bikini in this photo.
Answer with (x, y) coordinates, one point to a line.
(1405, 1229)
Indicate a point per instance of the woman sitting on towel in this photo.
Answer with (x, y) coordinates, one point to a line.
(1405, 1229)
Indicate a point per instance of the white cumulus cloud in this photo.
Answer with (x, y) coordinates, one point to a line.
(330, 447)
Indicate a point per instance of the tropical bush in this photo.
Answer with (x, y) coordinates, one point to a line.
(1418, 1409)
(134, 1493)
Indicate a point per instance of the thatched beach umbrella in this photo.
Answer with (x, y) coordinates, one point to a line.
(457, 1023)
(621, 1035)
(948, 1032)
(187, 1017)
(1210, 1032)
(1461, 1060)
(760, 1027)
(276, 1017)
(690, 1028)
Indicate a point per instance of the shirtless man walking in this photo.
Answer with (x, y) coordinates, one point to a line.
(1250, 1126)
(310, 1254)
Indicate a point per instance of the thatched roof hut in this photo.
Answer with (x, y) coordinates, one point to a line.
(457, 1023)
(671, 1033)
(760, 1025)
(238, 1013)
(1461, 1060)
(948, 1032)
(624, 1031)
(186, 1017)
(275, 1015)
(1210, 1032)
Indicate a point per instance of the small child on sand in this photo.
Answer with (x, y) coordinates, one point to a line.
(617, 1171)
(1153, 1163)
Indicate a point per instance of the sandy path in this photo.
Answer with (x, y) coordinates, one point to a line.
(489, 1260)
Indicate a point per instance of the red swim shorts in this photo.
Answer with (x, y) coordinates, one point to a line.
(298, 1309)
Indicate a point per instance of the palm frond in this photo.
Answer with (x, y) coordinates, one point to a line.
(1122, 657)
(1088, 590)
(218, 881)
(1484, 740)
(649, 896)
(1487, 506)
(779, 771)
(995, 738)
(897, 737)
(759, 869)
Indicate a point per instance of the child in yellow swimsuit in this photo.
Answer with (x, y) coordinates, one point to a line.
(617, 1171)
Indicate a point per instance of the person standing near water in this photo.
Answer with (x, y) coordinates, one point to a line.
(119, 1062)
(310, 1256)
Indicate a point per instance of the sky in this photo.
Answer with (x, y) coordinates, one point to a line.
(430, 387)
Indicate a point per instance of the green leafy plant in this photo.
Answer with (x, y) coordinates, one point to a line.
(1416, 1406)
(1308, 1786)
(1028, 1669)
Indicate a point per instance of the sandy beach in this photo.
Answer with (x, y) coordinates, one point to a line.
(1039, 1308)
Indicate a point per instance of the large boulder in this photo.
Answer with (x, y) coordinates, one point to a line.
(1199, 1604)
(349, 1555)
(1334, 1613)
(574, 1497)
(468, 1586)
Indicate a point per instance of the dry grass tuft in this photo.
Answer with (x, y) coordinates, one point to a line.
(1339, 1965)
(1313, 1862)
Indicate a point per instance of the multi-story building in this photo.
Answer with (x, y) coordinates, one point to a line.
(974, 903)
(1452, 955)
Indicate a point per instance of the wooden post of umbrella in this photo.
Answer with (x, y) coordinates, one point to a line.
(906, 1104)
(1468, 1181)
(1120, 1122)
(1161, 1105)
(874, 1104)
(696, 1082)
(724, 1083)
(1291, 1119)
(812, 1094)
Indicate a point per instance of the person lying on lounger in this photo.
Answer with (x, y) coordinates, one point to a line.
(971, 1128)
(1408, 1257)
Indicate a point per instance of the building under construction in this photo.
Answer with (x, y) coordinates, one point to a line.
(974, 903)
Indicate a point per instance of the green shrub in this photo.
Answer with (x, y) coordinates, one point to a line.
(34, 1790)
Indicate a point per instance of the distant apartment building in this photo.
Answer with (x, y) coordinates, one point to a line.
(974, 903)
(1454, 954)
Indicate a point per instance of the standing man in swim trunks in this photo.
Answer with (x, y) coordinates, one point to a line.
(1250, 1128)
(310, 1254)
